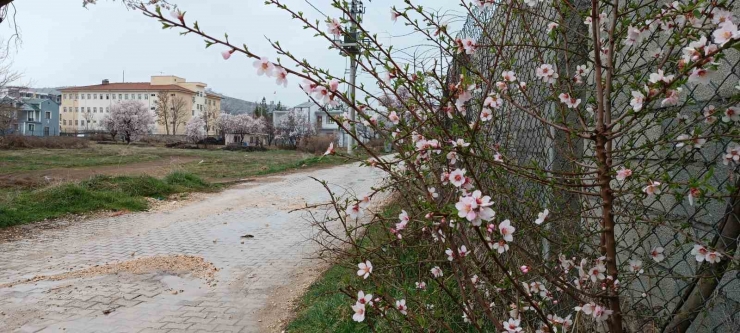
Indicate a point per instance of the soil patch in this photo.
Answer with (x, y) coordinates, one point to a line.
(173, 264)
(158, 168)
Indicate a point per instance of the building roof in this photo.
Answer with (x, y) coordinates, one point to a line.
(212, 95)
(36, 100)
(305, 105)
(128, 86)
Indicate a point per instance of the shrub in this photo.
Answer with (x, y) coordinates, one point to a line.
(316, 144)
(48, 142)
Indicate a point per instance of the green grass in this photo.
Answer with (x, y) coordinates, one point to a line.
(99, 193)
(324, 309)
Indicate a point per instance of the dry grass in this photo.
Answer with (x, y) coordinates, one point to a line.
(47, 142)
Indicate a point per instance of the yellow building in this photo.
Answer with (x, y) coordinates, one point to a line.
(83, 108)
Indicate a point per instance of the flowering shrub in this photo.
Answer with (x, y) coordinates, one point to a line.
(538, 168)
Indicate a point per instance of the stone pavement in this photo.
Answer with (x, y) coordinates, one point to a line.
(210, 228)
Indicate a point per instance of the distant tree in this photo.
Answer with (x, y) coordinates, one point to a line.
(210, 116)
(131, 119)
(8, 113)
(110, 126)
(178, 112)
(171, 111)
(294, 128)
(160, 109)
(269, 128)
(195, 129)
(88, 117)
(279, 106)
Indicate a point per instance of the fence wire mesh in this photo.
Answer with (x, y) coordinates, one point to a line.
(678, 294)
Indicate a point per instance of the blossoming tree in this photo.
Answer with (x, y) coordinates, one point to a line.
(539, 166)
(195, 129)
(130, 119)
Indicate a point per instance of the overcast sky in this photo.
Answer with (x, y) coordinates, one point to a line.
(67, 45)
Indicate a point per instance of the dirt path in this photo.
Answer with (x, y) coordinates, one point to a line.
(158, 168)
(67, 278)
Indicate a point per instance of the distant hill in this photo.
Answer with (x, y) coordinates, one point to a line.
(233, 105)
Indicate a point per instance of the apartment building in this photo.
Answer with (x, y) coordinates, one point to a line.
(83, 108)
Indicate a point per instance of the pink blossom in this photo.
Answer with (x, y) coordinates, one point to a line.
(421, 285)
(659, 76)
(700, 76)
(365, 268)
(177, 14)
(709, 112)
(486, 114)
(330, 150)
(507, 230)
(652, 189)
(637, 99)
(699, 252)
(308, 86)
(498, 158)
(437, 272)
(657, 254)
(334, 27)
(551, 26)
(333, 85)
(727, 31)
(597, 272)
(731, 114)
(393, 117)
(469, 45)
(394, 15)
(500, 246)
(713, 257)
(282, 76)
(494, 101)
(433, 192)
(227, 54)
(365, 202)
(570, 102)
(635, 266)
(693, 193)
(546, 73)
(512, 325)
(359, 312)
(509, 76)
(672, 97)
(401, 306)
(524, 269)
(623, 173)
(264, 66)
(634, 36)
(452, 156)
(354, 211)
(457, 177)
(541, 217)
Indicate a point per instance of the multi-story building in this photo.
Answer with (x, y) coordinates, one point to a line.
(25, 92)
(83, 108)
(30, 116)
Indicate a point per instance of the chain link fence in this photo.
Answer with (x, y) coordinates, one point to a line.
(677, 294)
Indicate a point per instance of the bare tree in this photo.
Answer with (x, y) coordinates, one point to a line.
(209, 117)
(178, 112)
(160, 110)
(8, 115)
(88, 118)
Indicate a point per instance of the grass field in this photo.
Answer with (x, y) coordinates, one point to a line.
(37, 184)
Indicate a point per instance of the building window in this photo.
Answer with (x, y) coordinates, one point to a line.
(120, 96)
(83, 96)
(64, 96)
(64, 109)
(138, 96)
(77, 109)
(153, 95)
(152, 108)
(107, 96)
(173, 95)
(31, 127)
(77, 96)
(95, 110)
(319, 119)
(113, 96)
(125, 96)
(46, 131)
(329, 120)
(146, 96)
(95, 121)
(95, 96)
(30, 116)
(101, 96)
(76, 122)
(88, 110)
(48, 115)
(64, 122)
(88, 96)
(107, 109)
(193, 112)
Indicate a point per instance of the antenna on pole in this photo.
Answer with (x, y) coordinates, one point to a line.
(349, 45)
(124, 76)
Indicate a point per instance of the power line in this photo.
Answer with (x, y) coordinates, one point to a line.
(314, 7)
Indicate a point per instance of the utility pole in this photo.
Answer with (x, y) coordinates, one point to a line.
(350, 47)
